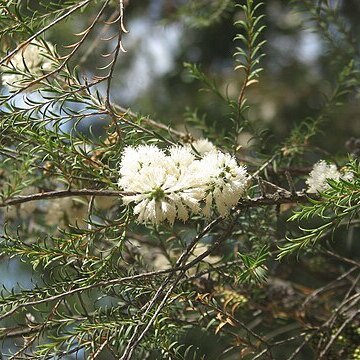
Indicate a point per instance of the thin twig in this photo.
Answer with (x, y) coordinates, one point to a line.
(61, 194)
(118, 48)
(327, 287)
(136, 337)
(66, 58)
(338, 332)
(269, 200)
(42, 30)
(150, 122)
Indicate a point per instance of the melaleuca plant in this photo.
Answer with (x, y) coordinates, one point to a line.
(195, 235)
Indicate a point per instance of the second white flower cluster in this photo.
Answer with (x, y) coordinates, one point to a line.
(317, 180)
(173, 184)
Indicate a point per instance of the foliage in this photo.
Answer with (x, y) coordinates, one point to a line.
(99, 284)
(338, 206)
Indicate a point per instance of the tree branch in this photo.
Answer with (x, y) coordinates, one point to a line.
(61, 194)
(267, 200)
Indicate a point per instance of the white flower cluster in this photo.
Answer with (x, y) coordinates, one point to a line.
(321, 172)
(31, 59)
(202, 146)
(171, 185)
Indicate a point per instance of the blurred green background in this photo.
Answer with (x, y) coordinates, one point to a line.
(300, 66)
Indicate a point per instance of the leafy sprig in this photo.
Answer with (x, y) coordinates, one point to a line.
(338, 205)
